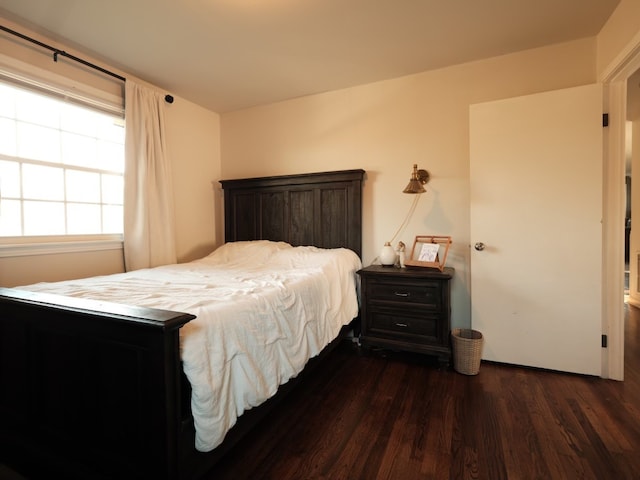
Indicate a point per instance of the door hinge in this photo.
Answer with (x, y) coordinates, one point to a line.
(604, 341)
(605, 119)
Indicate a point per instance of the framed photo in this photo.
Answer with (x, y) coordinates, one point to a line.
(429, 251)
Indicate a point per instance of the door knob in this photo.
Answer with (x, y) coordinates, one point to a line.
(479, 246)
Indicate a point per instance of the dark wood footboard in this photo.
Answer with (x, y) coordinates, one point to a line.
(96, 390)
(89, 389)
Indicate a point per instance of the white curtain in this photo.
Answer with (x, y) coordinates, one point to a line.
(149, 237)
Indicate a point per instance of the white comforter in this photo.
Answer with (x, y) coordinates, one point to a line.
(263, 309)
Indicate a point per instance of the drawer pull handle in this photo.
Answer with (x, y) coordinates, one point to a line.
(401, 294)
(401, 325)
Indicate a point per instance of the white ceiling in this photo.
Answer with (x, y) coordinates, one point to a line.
(231, 54)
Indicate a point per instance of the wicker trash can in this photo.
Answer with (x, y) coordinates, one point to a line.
(467, 350)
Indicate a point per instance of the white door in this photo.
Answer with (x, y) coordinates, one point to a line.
(536, 207)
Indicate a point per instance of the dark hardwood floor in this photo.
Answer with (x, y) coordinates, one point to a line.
(392, 416)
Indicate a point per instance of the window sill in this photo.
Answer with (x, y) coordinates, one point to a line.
(55, 248)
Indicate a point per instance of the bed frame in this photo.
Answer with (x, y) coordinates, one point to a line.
(91, 389)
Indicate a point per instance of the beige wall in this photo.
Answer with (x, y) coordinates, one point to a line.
(193, 142)
(385, 127)
(28, 269)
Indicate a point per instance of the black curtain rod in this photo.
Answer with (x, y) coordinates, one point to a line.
(57, 52)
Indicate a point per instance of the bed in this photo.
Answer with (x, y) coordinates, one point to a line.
(93, 388)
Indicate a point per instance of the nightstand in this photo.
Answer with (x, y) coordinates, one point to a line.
(407, 309)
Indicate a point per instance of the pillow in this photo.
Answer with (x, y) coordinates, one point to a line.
(253, 252)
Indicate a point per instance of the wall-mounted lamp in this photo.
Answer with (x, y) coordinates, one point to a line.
(418, 179)
(388, 255)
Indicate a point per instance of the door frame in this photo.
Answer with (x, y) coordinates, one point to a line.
(614, 79)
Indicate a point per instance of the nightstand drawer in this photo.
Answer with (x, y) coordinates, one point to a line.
(427, 294)
(390, 321)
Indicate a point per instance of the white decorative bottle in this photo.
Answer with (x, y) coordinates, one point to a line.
(388, 255)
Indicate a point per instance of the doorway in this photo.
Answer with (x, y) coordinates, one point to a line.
(615, 79)
(632, 241)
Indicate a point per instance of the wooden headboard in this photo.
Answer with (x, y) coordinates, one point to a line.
(320, 209)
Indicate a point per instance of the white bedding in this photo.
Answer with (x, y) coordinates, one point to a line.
(263, 309)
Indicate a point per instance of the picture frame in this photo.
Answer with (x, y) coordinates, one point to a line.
(429, 251)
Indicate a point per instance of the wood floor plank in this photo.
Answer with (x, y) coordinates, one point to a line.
(555, 450)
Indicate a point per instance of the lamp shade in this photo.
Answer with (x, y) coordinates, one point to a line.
(418, 179)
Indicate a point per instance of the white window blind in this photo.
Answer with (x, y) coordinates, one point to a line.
(61, 163)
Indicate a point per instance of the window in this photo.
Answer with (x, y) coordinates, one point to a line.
(61, 165)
